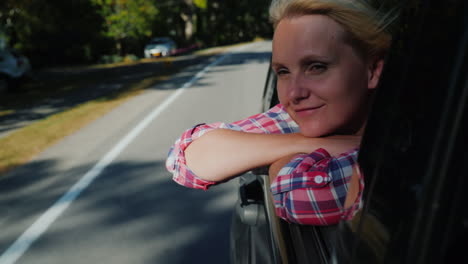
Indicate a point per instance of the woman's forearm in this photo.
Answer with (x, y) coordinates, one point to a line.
(223, 153)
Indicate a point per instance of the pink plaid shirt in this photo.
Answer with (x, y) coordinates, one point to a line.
(310, 189)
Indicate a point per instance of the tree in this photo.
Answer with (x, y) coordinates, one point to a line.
(80, 31)
(55, 32)
(126, 19)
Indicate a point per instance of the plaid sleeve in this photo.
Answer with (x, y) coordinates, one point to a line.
(311, 189)
(275, 120)
(176, 164)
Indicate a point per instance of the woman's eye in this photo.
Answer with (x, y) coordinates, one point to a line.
(281, 71)
(316, 68)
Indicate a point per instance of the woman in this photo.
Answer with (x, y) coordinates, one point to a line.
(328, 57)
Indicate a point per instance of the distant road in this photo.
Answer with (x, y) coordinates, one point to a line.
(124, 207)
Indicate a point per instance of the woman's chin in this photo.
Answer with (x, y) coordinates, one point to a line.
(313, 133)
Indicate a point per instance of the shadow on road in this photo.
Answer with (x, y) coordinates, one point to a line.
(133, 210)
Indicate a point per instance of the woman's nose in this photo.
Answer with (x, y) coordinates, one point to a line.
(297, 90)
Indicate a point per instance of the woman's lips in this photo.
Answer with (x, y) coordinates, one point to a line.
(302, 112)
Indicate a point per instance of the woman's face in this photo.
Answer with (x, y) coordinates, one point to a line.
(322, 82)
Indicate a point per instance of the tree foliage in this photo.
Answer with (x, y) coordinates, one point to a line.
(55, 32)
(202, 4)
(81, 31)
(126, 19)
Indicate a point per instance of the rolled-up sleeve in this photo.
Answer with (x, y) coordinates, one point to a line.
(176, 164)
(311, 189)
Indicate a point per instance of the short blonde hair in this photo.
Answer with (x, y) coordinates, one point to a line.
(366, 29)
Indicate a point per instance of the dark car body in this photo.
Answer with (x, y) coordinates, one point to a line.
(413, 154)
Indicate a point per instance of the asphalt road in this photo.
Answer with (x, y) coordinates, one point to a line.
(124, 207)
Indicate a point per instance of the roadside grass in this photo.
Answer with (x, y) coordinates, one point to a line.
(25, 143)
(6, 112)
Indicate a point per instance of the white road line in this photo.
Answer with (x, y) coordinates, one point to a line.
(22, 244)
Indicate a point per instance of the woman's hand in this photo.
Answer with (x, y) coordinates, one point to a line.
(337, 144)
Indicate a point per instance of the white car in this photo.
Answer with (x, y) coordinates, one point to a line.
(160, 47)
(13, 67)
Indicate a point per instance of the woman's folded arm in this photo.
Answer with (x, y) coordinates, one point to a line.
(221, 153)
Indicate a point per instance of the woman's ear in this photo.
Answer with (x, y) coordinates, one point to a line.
(375, 70)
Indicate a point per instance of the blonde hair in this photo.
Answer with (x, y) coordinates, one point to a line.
(366, 28)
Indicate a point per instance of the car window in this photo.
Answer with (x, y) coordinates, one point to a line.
(160, 41)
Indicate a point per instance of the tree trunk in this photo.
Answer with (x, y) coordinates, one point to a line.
(189, 30)
(188, 17)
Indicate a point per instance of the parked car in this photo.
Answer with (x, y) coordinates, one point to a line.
(413, 154)
(160, 47)
(13, 68)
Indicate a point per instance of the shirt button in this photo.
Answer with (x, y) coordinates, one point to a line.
(318, 179)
